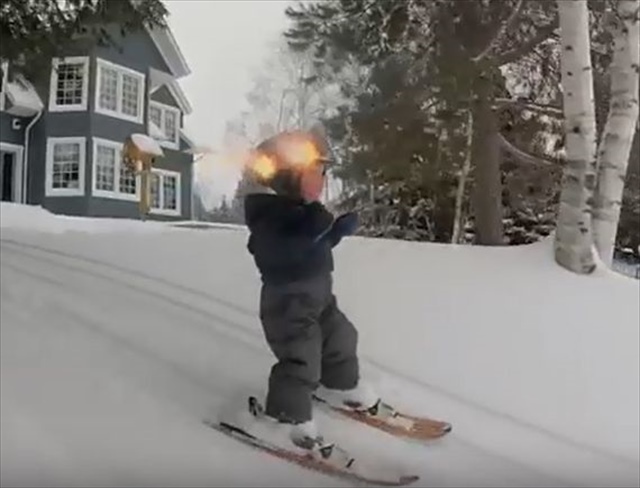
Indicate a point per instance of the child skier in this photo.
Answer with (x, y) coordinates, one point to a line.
(291, 240)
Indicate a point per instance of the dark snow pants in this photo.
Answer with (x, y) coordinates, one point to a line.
(314, 344)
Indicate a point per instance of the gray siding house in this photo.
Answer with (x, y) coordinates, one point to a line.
(61, 140)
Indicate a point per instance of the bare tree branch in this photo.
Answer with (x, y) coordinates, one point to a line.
(550, 110)
(543, 34)
(500, 32)
(522, 156)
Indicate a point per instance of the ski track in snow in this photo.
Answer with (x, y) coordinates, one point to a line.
(82, 263)
(66, 316)
(180, 352)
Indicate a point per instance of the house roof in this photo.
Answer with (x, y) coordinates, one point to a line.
(188, 140)
(158, 78)
(169, 49)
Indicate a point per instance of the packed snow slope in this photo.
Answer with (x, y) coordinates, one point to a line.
(119, 337)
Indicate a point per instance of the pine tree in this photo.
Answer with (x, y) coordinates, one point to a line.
(428, 65)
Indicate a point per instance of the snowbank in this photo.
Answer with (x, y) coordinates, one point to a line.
(537, 368)
(37, 219)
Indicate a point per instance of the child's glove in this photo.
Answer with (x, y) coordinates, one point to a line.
(345, 225)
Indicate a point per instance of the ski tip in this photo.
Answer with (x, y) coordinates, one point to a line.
(408, 479)
(404, 480)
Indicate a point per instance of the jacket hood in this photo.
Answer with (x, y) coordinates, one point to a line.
(269, 208)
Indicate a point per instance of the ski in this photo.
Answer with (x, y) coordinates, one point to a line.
(384, 417)
(348, 468)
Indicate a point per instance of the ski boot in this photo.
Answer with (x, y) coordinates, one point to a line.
(306, 438)
(363, 405)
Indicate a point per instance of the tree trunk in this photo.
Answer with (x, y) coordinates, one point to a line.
(464, 173)
(574, 233)
(487, 198)
(617, 137)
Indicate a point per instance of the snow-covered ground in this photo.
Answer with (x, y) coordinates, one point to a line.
(118, 337)
(626, 268)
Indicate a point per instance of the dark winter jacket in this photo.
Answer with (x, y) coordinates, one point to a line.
(286, 237)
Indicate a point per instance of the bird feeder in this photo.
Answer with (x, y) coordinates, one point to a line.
(138, 154)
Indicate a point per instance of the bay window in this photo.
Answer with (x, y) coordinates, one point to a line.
(119, 91)
(65, 166)
(111, 178)
(69, 84)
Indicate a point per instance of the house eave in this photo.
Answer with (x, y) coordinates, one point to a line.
(170, 51)
(158, 79)
(188, 140)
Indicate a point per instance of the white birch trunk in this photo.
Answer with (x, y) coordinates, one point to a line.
(619, 130)
(574, 248)
(462, 181)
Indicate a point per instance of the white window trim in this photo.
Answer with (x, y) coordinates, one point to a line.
(118, 113)
(162, 211)
(65, 192)
(115, 193)
(175, 144)
(3, 86)
(53, 81)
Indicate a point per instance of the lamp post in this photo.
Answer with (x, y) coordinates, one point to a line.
(138, 154)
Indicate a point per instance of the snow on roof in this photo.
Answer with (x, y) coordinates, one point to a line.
(155, 131)
(147, 144)
(24, 99)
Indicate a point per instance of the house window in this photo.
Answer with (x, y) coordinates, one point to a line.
(169, 192)
(128, 181)
(69, 84)
(164, 124)
(165, 192)
(65, 166)
(111, 178)
(155, 191)
(119, 92)
(105, 168)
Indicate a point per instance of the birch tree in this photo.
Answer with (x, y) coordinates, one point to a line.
(617, 138)
(462, 180)
(287, 93)
(574, 234)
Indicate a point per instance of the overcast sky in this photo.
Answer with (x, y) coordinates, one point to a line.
(224, 42)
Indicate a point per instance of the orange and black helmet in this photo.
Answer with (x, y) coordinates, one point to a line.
(279, 161)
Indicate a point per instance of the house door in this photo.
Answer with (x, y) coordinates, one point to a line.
(7, 172)
(10, 173)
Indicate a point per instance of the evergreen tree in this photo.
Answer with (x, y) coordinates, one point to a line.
(428, 65)
(34, 31)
